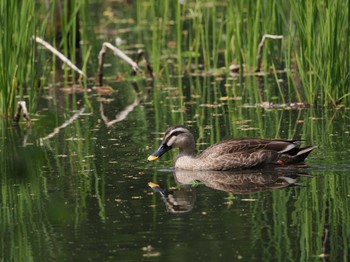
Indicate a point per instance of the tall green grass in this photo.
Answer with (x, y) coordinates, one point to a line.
(321, 48)
(314, 51)
(64, 24)
(192, 36)
(17, 51)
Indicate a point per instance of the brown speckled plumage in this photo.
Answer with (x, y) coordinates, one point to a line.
(231, 154)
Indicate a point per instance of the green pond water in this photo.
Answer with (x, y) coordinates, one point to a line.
(74, 186)
(82, 193)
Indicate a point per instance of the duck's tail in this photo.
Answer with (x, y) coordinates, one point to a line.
(298, 157)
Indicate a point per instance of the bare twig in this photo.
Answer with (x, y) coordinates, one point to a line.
(120, 116)
(65, 124)
(21, 106)
(59, 54)
(325, 243)
(260, 48)
(141, 54)
(118, 53)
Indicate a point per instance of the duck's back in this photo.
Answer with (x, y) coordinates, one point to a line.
(243, 153)
(249, 145)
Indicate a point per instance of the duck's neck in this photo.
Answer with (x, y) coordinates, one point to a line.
(185, 159)
(188, 148)
(188, 151)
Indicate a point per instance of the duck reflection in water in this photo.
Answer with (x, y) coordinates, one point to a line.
(182, 200)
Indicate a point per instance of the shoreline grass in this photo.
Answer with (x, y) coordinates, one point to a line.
(187, 37)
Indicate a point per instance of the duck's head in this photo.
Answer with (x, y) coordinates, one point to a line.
(175, 137)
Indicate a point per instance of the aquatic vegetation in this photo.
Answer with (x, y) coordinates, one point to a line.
(25, 67)
(186, 37)
(74, 185)
(206, 35)
(17, 52)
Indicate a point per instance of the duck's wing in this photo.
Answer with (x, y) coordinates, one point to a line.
(250, 145)
(237, 160)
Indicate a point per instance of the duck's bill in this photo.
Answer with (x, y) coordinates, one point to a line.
(153, 185)
(159, 152)
(152, 158)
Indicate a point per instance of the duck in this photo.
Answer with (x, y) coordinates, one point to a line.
(233, 154)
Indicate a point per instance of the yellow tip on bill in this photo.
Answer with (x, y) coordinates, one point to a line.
(152, 158)
(151, 184)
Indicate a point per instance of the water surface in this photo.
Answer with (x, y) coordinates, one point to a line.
(83, 194)
(79, 191)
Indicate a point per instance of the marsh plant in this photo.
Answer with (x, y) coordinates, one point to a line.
(210, 35)
(18, 25)
(188, 37)
(25, 67)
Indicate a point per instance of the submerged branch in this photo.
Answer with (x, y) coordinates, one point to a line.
(59, 54)
(141, 54)
(64, 125)
(21, 106)
(260, 48)
(118, 53)
(121, 115)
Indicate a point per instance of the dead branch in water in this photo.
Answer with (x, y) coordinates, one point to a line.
(121, 115)
(118, 53)
(124, 57)
(59, 55)
(64, 125)
(141, 54)
(260, 48)
(21, 106)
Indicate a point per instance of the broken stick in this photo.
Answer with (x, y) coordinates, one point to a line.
(118, 53)
(260, 48)
(21, 106)
(59, 55)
